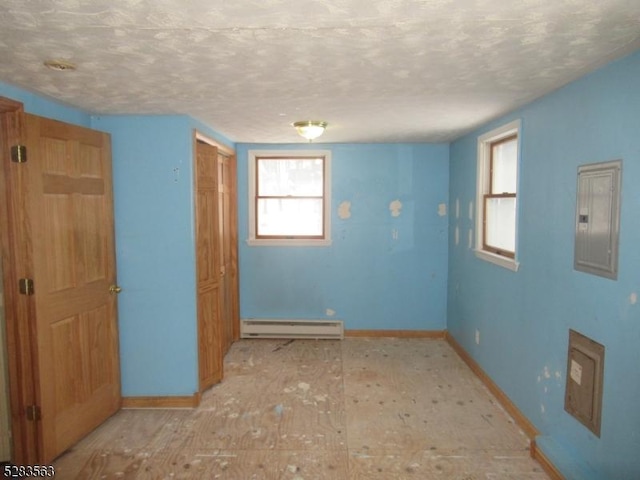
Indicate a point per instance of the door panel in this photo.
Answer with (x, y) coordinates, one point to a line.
(224, 214)
(210, 356)
(5, 411)
(209, 335)
(216, 251)
(69, 213)
(232, 235)
(18, 307)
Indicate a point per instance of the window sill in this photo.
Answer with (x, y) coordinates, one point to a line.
(504, 262)
(252, 242)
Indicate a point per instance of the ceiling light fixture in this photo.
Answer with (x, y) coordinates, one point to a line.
(59, 65)
(310, 129)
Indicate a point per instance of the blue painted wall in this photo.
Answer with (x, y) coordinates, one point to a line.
(45, 107)
(524, 317)
(153, 197)
(155, 247)
(369, 280)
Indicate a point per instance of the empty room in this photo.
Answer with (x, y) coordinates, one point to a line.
(320, 239)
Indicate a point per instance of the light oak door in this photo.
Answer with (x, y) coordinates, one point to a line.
(208, 266)
(233, 277)
(228, 287)
(66, 240)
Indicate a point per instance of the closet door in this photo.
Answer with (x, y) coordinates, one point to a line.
(228, 257)
(233, 277)
(208, 267)
(217, 258)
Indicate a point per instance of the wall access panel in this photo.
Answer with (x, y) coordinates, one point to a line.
(585, 372)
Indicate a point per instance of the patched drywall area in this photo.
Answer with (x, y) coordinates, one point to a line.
(344, 210)
(386, 266)
(460, 223)
(549, 382)
(395, 208)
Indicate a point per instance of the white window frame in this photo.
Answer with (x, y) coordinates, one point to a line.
(289, 242)
(483, 181)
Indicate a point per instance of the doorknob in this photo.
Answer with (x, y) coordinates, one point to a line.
(115, 289)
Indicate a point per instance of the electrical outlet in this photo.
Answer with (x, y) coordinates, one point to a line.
(477, 337)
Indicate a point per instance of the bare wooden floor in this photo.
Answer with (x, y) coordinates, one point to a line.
(375, 409)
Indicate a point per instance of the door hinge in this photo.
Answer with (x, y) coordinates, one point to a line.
(19, 153)
(25, 286)
(33, 413)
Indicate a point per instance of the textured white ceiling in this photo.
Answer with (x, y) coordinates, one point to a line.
(376, 70)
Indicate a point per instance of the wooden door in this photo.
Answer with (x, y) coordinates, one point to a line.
(225, 222)
(233, 279)
(209, 295)
(62, 218)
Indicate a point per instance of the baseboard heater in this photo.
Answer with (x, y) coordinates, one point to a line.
(275, 328)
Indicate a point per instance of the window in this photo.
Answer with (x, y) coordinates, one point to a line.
(289, 200)
(496, 221)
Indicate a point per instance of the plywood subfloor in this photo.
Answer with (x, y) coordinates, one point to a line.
(358, 409)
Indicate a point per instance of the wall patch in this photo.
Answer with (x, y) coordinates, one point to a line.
(344, 210)
(395, 207)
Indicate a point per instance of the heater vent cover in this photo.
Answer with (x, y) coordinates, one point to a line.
(276, 328)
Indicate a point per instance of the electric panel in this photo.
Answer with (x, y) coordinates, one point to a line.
(598, 218)
(585, 373)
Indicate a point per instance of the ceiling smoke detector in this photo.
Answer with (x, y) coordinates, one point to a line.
(59, 65)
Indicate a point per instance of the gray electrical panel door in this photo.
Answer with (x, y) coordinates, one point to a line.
(585, 380)
(598, 218)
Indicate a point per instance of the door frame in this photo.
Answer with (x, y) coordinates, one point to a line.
(18, 308)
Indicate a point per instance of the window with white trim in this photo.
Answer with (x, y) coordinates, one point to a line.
(289, 197)
(497, 193)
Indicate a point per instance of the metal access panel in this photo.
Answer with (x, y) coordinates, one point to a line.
(585, 373)
(598, 218)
